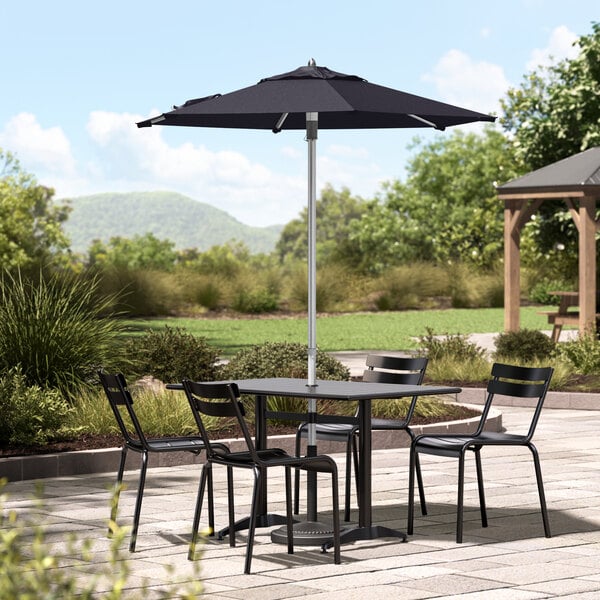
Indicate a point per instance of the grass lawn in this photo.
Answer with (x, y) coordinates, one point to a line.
(353, 331)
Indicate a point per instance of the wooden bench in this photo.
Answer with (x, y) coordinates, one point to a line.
(562, 316)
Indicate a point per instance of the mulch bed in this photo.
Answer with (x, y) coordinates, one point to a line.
(95, 441)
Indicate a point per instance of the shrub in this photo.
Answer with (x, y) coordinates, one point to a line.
(283, 359)
(524, 345)
(30, 415)
(58, 330)
(455, 347)
(33, 568)
(172, 355)
(254, 301)
(583, 353)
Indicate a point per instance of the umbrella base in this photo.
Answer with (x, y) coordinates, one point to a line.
(306, 533)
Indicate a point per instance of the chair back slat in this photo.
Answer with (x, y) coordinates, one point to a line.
(518, 390)
(389, 377)
(396, 363)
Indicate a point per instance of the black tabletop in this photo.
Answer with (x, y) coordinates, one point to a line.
(337, 390)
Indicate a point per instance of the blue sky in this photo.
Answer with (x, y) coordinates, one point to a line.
(76, 76)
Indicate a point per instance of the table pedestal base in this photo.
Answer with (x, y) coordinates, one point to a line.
(267, 520)
(357, 534)
(306, 533)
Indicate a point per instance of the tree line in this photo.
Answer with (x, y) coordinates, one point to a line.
(444, 212)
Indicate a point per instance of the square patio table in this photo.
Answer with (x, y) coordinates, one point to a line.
(354, 391)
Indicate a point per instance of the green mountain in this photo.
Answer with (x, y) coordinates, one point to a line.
(167, 215)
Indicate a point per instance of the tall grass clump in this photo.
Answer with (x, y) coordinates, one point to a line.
(58, 329)
(141, 292)
(470, 288)
(410, 286)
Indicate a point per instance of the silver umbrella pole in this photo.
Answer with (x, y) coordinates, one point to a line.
(310, 532)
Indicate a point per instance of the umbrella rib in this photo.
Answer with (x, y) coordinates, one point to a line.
(430, 123)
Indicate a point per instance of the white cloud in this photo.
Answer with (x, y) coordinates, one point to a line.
(460, 80)
(141, 159)
(560, 46)
(38, 148)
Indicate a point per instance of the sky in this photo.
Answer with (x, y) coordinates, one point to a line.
(77, 76)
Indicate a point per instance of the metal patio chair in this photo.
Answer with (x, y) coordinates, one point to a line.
(121, 403)
(380, 369)
(221, 400)
(507, 380)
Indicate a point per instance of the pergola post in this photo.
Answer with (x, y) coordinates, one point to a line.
(587, 264)
(512, 264)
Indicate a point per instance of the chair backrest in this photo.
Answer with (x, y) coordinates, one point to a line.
(120, 399)
(518, 382)
(397, 369)
(221, 401)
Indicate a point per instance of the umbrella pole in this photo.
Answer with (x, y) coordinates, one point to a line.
(311, 450)
(310, 532)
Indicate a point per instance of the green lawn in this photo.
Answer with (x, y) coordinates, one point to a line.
(354, 331)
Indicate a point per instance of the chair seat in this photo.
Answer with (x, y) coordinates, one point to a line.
(388, 424)
(329, 431)
(193, 444)
(452, 445)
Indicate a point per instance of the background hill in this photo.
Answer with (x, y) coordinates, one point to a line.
(167, 215)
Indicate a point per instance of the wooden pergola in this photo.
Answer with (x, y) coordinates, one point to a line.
(576, 180)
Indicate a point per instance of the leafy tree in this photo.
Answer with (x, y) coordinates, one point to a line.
(553, 115)
(139, 252)
(447, 210)
(556, 111)
(335, 211)
(30, 224)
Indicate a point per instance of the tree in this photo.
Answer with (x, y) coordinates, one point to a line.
(447, 210)
(556, 111)
(553, 115)
(139, 252)
(335, 211)
(30, 224)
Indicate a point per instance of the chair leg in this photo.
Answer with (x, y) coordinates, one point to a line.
(349, 457)
(138, 502)
(297, 477)
(211, 502)
(420, 486)
(411, 490)
(336, 519)
(540, 485)
(252, 522)
(231, 507)
(206, 474)
(118, 487)
(288, 509)
(482, 507)
(460, 499)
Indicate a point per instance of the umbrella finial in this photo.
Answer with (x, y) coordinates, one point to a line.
(312, 63)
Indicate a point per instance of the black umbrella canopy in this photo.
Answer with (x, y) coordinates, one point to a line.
(342, 102)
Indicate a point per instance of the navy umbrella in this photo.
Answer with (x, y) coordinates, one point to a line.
(312, 98)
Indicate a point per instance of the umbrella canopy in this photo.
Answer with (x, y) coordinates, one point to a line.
(342, 101)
